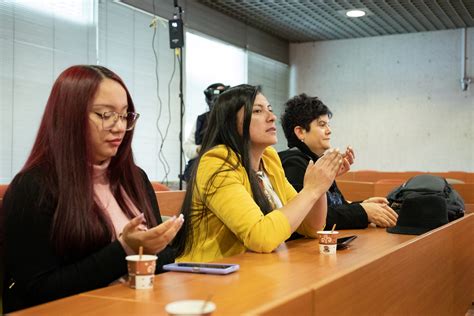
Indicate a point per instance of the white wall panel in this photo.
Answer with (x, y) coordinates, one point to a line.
(6, 91)
(125, 46)
(6, 109)
(272, 76)
(33, 67)
(34, 48)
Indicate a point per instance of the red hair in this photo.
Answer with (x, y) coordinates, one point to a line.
(63, 152)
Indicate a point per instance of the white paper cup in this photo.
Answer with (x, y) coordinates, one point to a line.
(327, 242)
(141, 272)
(190, 308)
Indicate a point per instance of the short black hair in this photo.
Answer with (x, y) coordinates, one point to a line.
(301, 110)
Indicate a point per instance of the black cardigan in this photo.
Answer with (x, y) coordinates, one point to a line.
(345, 216)
(30, 260)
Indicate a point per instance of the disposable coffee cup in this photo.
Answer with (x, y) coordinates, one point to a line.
(190, 308)
(141, 271)
(327, 242)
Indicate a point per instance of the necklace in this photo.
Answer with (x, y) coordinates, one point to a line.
(262, 181)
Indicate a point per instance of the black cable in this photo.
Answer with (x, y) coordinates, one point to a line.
(161, 156)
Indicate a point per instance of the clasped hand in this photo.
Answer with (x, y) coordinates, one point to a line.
(379, 213)
(152, 240)
(320, 175)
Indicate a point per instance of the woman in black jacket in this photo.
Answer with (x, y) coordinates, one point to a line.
(80, 204)
(305, 122)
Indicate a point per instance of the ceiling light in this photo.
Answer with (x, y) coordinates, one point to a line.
(355, 13)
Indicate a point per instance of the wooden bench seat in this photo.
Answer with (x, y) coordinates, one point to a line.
(170, 202)
(374, 176)
(361, 190)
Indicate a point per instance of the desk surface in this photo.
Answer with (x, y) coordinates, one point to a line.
(294, 275)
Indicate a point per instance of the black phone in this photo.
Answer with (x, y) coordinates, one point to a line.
(343, 242)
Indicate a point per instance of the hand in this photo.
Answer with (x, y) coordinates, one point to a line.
(380, 214)
(153, 240)
(348, 159)
(345, 167)
(376, 199)
(320, 175)
(349, 155)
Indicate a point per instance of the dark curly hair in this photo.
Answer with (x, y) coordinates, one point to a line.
(301, 110)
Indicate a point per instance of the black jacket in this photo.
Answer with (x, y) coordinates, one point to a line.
(201, 126)
(346, 215)
(40, 275)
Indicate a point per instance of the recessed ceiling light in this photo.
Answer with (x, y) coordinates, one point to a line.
(355, 13)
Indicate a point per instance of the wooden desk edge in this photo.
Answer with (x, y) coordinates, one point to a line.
(295, 296)
(393, 249)
(289, 301)
(271, 306)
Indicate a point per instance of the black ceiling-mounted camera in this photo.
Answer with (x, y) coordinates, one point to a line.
(213, 91)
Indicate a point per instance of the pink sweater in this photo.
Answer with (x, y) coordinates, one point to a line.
(104, 197)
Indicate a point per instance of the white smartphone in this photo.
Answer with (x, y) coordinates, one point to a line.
(209, 268)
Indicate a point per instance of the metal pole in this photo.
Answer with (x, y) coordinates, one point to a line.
(181, 115)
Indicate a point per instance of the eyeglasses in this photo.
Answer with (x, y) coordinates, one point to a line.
(110, 118)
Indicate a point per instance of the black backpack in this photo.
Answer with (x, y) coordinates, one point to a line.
(425, 185)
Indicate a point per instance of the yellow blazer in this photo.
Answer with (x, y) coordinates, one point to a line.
(225, 219)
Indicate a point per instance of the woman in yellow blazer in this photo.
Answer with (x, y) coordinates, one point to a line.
(238, 197)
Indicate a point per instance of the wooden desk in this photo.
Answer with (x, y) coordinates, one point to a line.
(380, 273)
(428, 275)
(466, 190)
(469, 208)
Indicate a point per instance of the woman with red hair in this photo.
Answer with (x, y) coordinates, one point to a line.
(80, 204)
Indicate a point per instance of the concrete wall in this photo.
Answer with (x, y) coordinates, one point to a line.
(396, 99)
